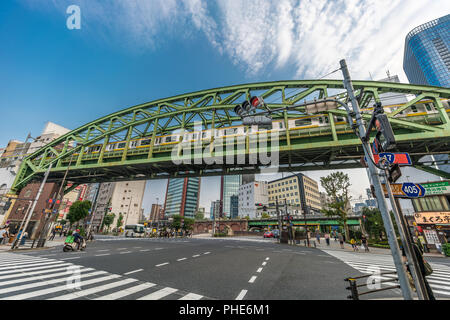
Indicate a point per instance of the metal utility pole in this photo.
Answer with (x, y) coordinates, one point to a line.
(279, 219)
(16, 245)
(375, 178)
(407, 243)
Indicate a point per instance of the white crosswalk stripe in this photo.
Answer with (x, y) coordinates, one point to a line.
(439, 280)
(25, 277)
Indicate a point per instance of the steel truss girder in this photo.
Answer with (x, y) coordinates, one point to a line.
(212, 109)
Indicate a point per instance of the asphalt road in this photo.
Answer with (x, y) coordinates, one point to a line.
(218, 268)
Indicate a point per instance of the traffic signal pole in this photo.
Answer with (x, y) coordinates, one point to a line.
(375, 178)
(16, 245)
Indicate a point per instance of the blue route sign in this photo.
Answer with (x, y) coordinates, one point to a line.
(413, 190)
(402, 159)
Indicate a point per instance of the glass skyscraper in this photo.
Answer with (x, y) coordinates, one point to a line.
(427, 53)
(229, 187)
(182, 197)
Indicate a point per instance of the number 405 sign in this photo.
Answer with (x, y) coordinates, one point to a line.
(406, 190)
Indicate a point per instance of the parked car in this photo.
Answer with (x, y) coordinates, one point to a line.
(268, 234)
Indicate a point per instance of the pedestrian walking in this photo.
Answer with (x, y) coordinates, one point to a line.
(327, 239)
(61, 232)
(53, 235)
(318, 237)
(364, 243)
(354, 244)
(3, 234)
(341, 240)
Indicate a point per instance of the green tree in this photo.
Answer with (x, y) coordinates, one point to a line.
(265, 215)
(108, 220)
(199, 216)
(119, 222)
(337, 185)
(78, 211)
(187, 223)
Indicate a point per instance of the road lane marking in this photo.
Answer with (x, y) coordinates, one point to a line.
(138, 270)
(195, 256)
(252, 279)
(259, 270)
(181, 259)
(42, 292)
(137, 247)
(207, 252)
(191, 296)
(264, 263)
(71, 258)
(27, 268)
(103, 250)
(102, 255)
(122, 248)
(267, 259)
(87, 292)
(126, 292)
(161, 264)
(159, 294)
(125, 252)
(145, 250)
(241, 295)
(159, 248)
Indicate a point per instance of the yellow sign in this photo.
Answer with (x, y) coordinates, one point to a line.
(432, 217)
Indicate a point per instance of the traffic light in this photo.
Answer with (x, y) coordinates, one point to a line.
(394, 173)
(246, 109)
(385, 138)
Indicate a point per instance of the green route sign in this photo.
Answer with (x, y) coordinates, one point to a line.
(437, 188)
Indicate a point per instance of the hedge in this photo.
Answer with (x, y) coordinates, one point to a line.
(446, 249)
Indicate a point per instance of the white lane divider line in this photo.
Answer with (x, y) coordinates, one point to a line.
(125, 252)
(122, 249)
(138, 270)
(267, 259)
(264, 263)
(191, 296)
(145, 250)
(159, 294)
(181, 259)
(102, 255)
(207, 252)
(103, 250)
(161, 264)
(241, 295)
(195, 256)
(71, 258)
(259, 270)
(252, 279)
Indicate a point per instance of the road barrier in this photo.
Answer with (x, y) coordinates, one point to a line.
(353, 285)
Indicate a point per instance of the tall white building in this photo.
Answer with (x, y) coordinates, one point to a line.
(250, 195)
(126, 200)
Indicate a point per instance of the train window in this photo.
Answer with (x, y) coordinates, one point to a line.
(414, 108)
(327, 120)
(146, 142)
(340, 119)
(133, 144)
(428, 106)
(231, 131)
(302, 122)
(194, 136)
(281, 125)
(204, 134)
(169, 139)
(320, 120)
(121, 145)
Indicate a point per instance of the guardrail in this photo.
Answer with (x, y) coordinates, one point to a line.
(353, 285)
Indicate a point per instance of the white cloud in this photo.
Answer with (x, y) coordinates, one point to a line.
(308, 36)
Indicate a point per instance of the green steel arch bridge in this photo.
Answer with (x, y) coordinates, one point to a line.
(331, 147)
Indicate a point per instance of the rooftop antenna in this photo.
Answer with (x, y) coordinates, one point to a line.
(388, 74)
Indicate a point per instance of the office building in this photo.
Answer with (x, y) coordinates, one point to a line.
(300, 192)
(126, 200)
(182, 197)
(427, 53)
(250, 196)
(229, 186)
(156, 213)
(215, 209)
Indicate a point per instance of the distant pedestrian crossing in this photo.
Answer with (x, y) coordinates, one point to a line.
(24, 277)
(367, 263)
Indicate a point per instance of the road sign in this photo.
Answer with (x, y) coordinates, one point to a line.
(402, 159)
(406, 190)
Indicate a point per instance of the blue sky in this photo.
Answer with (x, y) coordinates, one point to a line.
(128, 52)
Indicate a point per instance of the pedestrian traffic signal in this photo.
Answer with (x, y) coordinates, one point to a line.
(385, 138)
(394, 173)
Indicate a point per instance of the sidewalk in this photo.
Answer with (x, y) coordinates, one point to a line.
(48, 244)
(334, 245)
